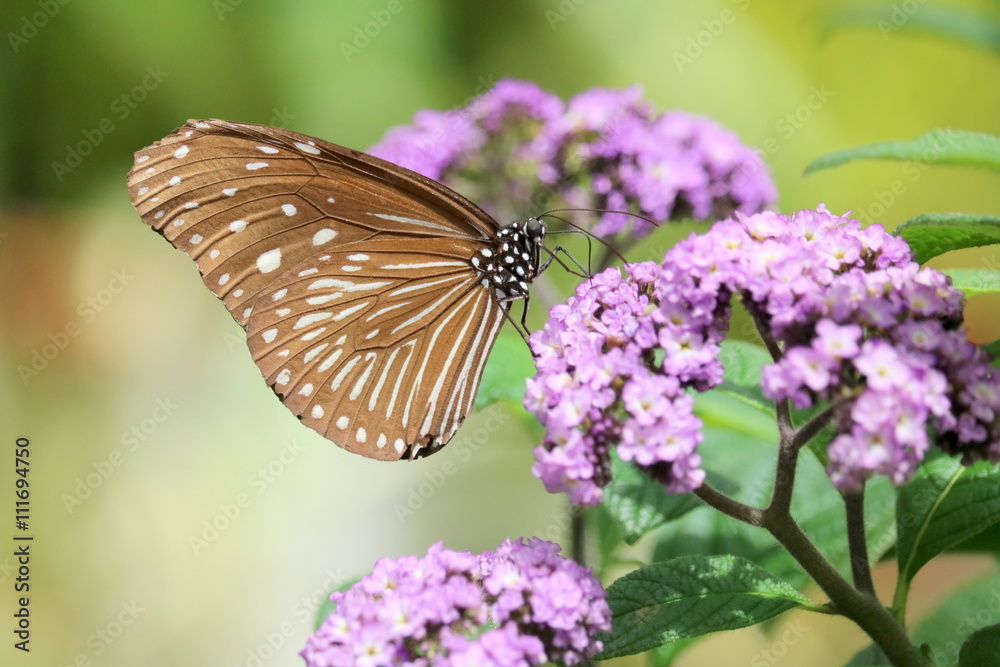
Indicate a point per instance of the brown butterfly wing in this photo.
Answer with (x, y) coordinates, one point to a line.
(381, 355)
(379, 344)
(247, 202)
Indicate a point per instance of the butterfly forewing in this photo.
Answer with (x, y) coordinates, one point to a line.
(351, 275)
(248, 202)
(376, 347)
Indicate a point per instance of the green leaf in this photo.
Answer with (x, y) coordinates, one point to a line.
(943, 146)
(993, 349)
(933, 234)
(329, 606)
(941, 507)
(509, 365)
(974, 282)
(971, 28)
(691, 596)
(981, 649)
(742, 363)
(638, 504)
(664, 656)
(951, 621)
(869, 657)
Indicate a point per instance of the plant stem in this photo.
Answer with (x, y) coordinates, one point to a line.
(861, 607)
(854, 504)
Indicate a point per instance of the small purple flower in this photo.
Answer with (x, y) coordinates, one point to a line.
(434, 610)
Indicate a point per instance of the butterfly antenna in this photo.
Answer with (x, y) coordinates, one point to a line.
(586, 231)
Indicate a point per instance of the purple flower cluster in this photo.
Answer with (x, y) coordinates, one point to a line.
(858, 324)
(597, 386)
(517, 149)
(520, 605)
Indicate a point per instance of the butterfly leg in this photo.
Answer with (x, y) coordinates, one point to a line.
(553, 257)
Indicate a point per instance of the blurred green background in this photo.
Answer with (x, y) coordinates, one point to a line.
(148, 419)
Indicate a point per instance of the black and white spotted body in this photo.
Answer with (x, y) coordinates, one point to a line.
(513, 261)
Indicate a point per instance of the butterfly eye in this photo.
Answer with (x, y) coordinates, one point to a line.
(370, 294)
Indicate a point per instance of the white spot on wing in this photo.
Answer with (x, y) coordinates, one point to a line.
(224, 278)
(269, 335)
(270, 150)
(176, 180)
(311, 318)
(229, 192)
(317, 412)
(343, 422)
(307, 389)
(196, 239)
(324, 236)
(181, 152)
(283, 377)
(315, 352)
(361, 435)
(269, 261)
(306, 148)
(237, 225)
(289, 209)
(253, 166)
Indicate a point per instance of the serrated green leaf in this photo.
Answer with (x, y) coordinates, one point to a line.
(981, 649)
(941, 507)
(691, 596)
(942, 147)
(951, 621)
(638, 504)
(509, 365)
(708, 532)
(974, 282)
(971, 28)
(933, 234)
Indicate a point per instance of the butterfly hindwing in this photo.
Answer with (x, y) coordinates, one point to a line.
(377, 347)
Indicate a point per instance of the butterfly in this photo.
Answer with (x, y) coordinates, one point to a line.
(371, 296)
